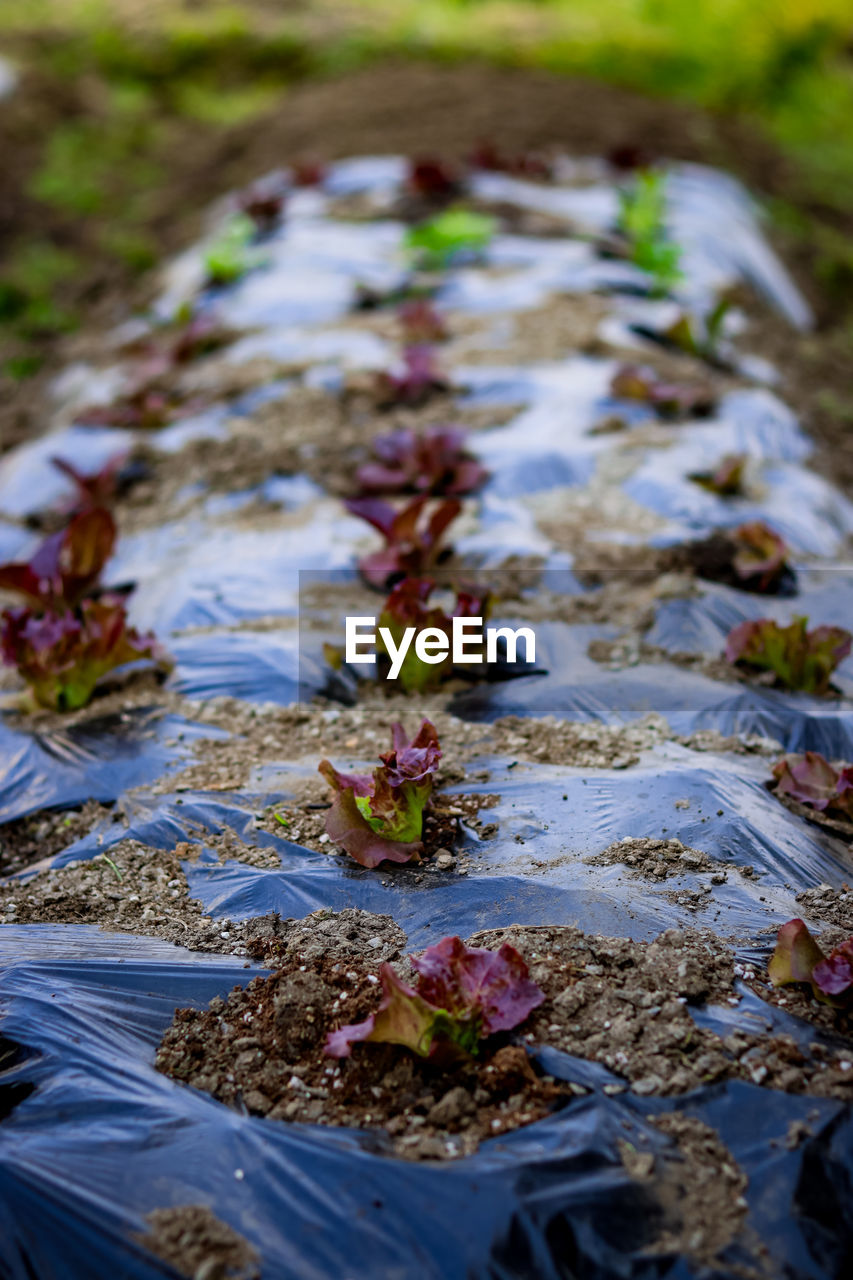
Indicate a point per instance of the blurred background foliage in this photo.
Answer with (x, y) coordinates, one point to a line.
(115, 91)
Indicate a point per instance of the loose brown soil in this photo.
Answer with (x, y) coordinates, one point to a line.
(617, 1002)
(45, 834)
(835, 906)
(349, 735)
(199, 1245)
(624, 1004)
(701, 1189)
(653, 859)
(261, 1050)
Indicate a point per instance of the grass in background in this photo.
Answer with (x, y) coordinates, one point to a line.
(150, 67)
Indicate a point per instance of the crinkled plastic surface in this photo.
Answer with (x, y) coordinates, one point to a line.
(93, 1137)
(104, 1139)
(577, 688)
(98, 758)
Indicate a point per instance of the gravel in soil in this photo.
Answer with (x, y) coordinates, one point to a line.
(190, 1238)
(621, 1003)
(346, 735)
(700, 1187)
(625, 1004)
(307, 432)
(261, 1050)
(652, 859)
(835, 906)
(45, 834)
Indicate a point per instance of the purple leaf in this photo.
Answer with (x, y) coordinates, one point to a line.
(812, 780)
(834, 975)
(762, 555)
(63, 655)
(433, 179)
(463, 994)
(435, 462)
(463, 979)
(380, 818)
(798, 958)
(668, 399)
(413, 536)
(67, 565)
(419, 379)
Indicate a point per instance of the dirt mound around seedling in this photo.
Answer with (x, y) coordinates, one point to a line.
(621, 1003)
(262, 1050)
(625, 1004)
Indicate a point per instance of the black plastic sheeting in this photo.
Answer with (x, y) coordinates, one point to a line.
(105, 1139)
(578, 688)
(98, 759)
(92, 1137)
(550, 820)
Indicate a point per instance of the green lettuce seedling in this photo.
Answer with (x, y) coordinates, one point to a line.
(451, 234)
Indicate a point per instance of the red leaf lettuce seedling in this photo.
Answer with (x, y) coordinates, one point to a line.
(433, 179)
(379, 817)
(64, 640)
(727, 477)
(761, 558)
(407, 606)
(800, 659)
(668, 399)
(413, 536)
(463, 995)
(798, 958)
(63, 656)
(420, 378)
(811, 780)
(436, 462)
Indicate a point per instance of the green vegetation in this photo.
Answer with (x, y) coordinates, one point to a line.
(456, 231)
(143, 80)
(642, 221)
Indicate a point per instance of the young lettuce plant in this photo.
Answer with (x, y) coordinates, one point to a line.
(526, 164)
(419, 379)
(145, 408)
(63, 656)
(435, 462)
(433, 179)
(408, 606)
(668, 399)
(452, 234)
(379, 818)
(462, 996)
(811, 780)
(413, 536)
(761, 556)
(64, 640)
(798, 958)
(801, 660)
(727, 478)
(642, 221)
(95, 488)
(263, 201)
(231, 253)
